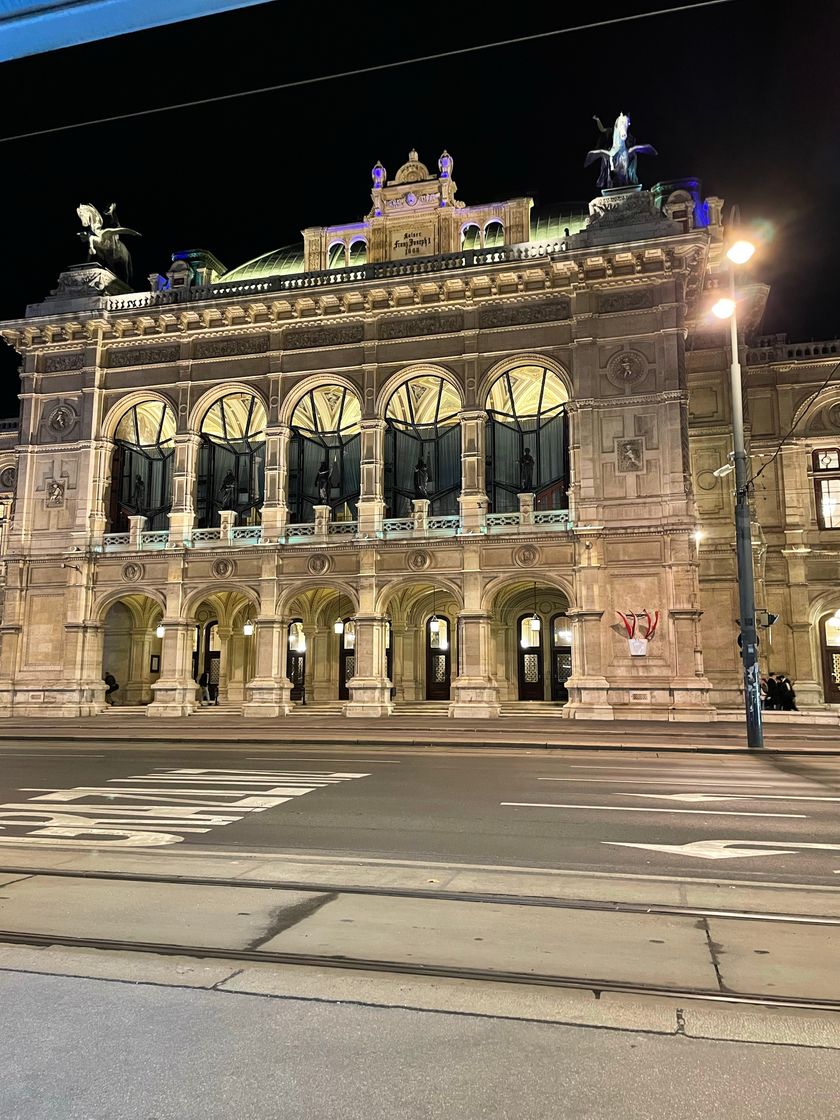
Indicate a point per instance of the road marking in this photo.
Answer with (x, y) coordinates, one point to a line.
(726, 849)
(694, 782)
(733, 796)
(312, 758)
(645, 809)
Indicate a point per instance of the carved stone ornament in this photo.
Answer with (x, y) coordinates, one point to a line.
(413, 325)
(834, 416)
(61, 419)
(418, 561)
(62, 363)
(627, 299)
(526, 556)
(55, 493)
(630, 456)
(143, 356)
(545, 311)
(8, 478)
(626, 368)
(230, 347)
(301, 339)
(319, 564)
(132, 573)
(223, 568)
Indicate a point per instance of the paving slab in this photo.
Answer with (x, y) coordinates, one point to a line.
(776, 959)
(135, 968)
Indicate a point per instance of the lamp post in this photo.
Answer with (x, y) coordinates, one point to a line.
(739, 253)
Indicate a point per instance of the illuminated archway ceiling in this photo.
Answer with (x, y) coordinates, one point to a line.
(149, 424)
(527, 391)
(424, 401)
(329, 408)
(237, 417)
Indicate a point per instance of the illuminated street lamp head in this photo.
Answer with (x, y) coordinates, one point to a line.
(724, 308)
(248, 628)
(160, 631)
(740, 251)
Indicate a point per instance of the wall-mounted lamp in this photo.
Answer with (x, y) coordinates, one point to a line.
(536, 621)
(248, 628)
(339, 622)
(434, 621)
(161, 630)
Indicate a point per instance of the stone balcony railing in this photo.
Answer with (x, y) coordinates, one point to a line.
(417, 527)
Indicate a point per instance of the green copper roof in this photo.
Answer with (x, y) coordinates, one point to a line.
(550, 221)
(281, 262)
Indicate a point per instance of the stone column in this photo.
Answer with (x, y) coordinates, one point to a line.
(370, 688)
(137, 685)
(182, 514)
(371, 497)
(227, 520)
(475, 693)
(175, 690)
(269, 689)
(275, 510)
(473, 497)
(136, 525)
(102, 457)
(420, 514)
(322, 522)
(587, 686)
(526, 508)
(226, 647)
(802, 666)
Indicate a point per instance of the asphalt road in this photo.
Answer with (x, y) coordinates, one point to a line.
(94, 1050)
(565, 810)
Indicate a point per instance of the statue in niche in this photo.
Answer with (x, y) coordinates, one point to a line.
(103, 239)
(618, 161)
(421, 479)
(138, 495)
(55, 492)
(526, 471)
(323, 482)
(227, 491)
(379, 175)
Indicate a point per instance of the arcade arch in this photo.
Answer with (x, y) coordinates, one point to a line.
(324, 453)
(533, 641)
(231, 459)
(141, 466)
(131, 648)
(422, 446)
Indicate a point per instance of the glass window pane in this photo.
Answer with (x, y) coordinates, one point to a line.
(349, 634)
(526, 391)
(529, 638)
(150, 424)
(829, 491)
(832, 632)
(827, 460)
(329, 408)
(562, 632)
(236, 418)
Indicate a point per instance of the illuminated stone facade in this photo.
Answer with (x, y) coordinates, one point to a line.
(425, 458)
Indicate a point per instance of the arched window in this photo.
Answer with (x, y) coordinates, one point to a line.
(141, 469)
(826, 463)
(324, 453)
(358, 251)
(494, 234)
(337, 255)
(231, 460)
(423, 446)
(471, 237)
(527, 439)
(830, 641)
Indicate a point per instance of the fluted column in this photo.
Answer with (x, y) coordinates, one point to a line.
(275, 510)
(182, 514)
(473, 497)
(371, 494)
(370, 688)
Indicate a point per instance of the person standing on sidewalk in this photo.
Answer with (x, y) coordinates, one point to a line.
(771, 697)
(204, 685)
(786, 694)
(112, 686)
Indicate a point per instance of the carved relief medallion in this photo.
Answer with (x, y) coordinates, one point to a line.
(319, 564)
(8, 478)
(526, 556)
(626, 368)
(222, 568)
(55, 493)
(630, 455)
(61, 419)
(132, 573)
(418, 561)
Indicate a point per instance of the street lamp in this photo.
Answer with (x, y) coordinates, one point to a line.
(739, 253)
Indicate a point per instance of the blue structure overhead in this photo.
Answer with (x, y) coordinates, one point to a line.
(34, 26)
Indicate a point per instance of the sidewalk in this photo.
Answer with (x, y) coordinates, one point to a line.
(132, 726)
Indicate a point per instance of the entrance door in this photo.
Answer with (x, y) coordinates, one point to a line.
(830, 627)
(346, 658)
(530, 658)
(296, 661)
(561, 657)
(437, 658)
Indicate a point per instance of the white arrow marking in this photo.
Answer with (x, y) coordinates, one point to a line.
(725, 849)
(640, 809)
(731, 797)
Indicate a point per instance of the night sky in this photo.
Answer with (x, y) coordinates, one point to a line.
(747, 101)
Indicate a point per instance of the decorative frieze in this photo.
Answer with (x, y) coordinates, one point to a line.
(143, 356)
(231, 347)
(302, 338)
(545, 311)
(413, 325)
(63, 363)
(625, 299)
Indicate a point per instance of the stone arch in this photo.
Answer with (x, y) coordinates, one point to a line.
(299, 390)
(504, 587)
(210, 396)
(423, 582)
(322, 591)
(504, 365)
(130, 646)
(417, 369)
(103, 605)
(194, 598)
(119, 407)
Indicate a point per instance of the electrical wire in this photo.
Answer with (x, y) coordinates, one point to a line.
(366, 70)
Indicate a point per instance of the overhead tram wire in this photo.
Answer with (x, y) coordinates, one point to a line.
(366, 70)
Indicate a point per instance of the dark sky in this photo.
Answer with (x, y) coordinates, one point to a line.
(744, 99)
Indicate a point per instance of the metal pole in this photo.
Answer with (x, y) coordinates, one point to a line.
(743, 546)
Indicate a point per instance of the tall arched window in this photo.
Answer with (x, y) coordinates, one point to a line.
(337, 255)
(358, 252)
(527, 439)
(141, 469)
(324, 453)
(231, 460)
(471, 237)
(423, 446)
(830, 641)
(494, 234)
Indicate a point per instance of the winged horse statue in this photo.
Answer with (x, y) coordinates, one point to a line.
(103, 238)
(618, 162)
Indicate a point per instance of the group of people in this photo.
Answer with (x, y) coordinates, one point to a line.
(777, 693)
